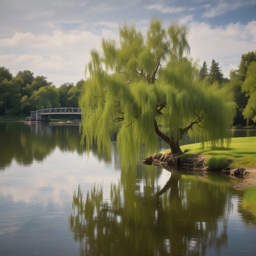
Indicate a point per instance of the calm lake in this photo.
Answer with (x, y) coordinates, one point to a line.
(55, 199)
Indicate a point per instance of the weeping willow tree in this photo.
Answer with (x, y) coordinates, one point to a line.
(143, 87)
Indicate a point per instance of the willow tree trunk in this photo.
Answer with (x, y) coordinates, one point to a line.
(174, 145)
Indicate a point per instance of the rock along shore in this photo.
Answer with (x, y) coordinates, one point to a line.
(174, 162)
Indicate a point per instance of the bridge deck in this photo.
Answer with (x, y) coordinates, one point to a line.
(60, 111)
(43, 114)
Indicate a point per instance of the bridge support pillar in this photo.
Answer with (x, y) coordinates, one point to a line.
(33, 116)
(36, 116)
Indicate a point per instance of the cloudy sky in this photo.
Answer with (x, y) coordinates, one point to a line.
(53, 38)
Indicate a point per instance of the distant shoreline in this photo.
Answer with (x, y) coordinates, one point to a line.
(22, 119)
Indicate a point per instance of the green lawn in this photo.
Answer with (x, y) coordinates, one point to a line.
(241, 150)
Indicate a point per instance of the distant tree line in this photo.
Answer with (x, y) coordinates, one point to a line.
(241, 81)
(23, 93)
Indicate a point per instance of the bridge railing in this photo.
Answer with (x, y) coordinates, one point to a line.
(60, 110)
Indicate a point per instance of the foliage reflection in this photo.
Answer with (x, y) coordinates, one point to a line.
(26, 143)
(188, 216)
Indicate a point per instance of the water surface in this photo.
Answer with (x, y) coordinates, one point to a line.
(57, 200)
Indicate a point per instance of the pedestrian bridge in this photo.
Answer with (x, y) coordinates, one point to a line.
(43, 114)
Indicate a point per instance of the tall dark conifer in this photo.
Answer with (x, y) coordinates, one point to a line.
(215, 73)
(203, 71)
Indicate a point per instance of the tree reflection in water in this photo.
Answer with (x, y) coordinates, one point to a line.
(188, 216)
(26, 143)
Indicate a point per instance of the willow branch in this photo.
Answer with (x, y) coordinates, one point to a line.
(130, 123)
(136, 117)
(157, 67)
(185, 130)
(160, 134)
(159, 108)
(140, 74)
(154, 74)
(118, 119)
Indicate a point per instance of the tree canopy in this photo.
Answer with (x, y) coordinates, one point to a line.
(9, 96)
(245, 62)
(23, 93)
(140, 84)
(237, 78)
(46, 97)
(5, 74)
(249, 87)
(40, 81)
(63, 93)
(27, 76)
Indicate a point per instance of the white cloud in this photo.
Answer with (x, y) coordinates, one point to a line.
(224, 44)
(61, 57)
(165, 9)
(223, 7)
(186, 19)
(58, 41)
(55, 68)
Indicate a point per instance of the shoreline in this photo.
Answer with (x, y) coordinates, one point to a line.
(52, 122)
(197, 163)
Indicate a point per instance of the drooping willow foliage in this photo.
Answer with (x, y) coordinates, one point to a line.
(140, 86)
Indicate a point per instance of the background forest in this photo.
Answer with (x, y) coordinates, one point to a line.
(241, 81)
(23, 93)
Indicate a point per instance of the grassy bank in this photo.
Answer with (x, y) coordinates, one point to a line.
(241, 150)
(249, 200)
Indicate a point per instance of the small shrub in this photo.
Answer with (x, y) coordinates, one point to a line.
(217, 163)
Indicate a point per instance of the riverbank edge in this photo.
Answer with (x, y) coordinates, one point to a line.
(22, 118)
(52, 121)
(196, 163)
(12, 118)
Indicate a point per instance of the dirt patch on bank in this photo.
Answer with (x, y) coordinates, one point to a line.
(249, 180)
